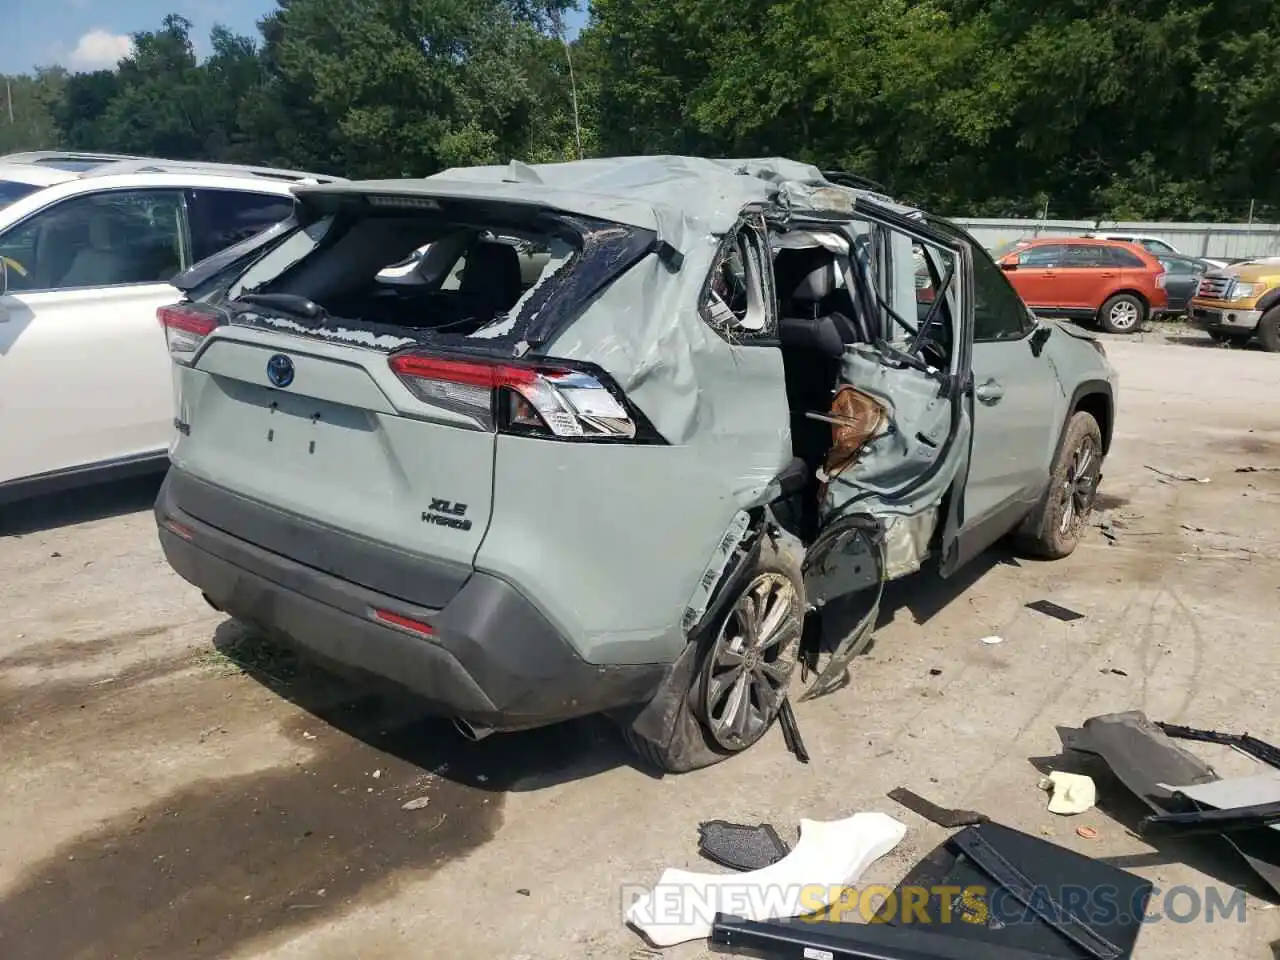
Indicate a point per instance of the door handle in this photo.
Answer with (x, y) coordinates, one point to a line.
(989, 392)
(1108, 274)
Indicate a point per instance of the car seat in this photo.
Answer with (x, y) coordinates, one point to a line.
(106, 259)
(491, 282)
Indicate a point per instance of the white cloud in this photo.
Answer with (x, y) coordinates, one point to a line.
(100, 48)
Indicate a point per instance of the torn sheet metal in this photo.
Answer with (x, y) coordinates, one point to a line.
(726, 404)
(710, 579)
(908, 467)
(829, 856)
(906, 542)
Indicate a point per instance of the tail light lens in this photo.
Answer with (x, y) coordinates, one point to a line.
(1161, 279)
(185, 327)
(547, 400)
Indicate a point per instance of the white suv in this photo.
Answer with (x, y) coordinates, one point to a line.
(88, 244)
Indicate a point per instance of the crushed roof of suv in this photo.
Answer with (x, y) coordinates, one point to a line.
(676, 196)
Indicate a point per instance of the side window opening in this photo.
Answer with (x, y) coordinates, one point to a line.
(998, 311)
(1049, 255)
(221, 218)
(115, 238)
(737, 297)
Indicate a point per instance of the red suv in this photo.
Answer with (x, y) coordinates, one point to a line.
(1117, 284)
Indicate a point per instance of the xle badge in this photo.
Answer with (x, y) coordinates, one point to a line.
(445, 513)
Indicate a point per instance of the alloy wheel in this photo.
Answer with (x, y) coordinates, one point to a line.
(1079, 488)
(749, 668)
(1123, 314)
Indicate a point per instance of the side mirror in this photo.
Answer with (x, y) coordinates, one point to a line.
(1010, 264)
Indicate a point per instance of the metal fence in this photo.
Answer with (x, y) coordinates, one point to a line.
(1222, 240)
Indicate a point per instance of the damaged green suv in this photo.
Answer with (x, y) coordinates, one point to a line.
(643, 436)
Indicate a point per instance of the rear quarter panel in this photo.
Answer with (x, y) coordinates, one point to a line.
(610, 541)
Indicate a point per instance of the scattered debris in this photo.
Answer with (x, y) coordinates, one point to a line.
(989, 641)
(523, 892)
(935, 672)
(1037, 881)
(739, 846)
(829, 856)
(1051, 609)
(377, 774)
(1145, 758)
(418, 803)
(791, 732)
(55, 555)
(1071, 792)
(1087, 833)
(1116, 670)
(308, 735)
(1250, 469)
(942, 816)
(1238, 803)
(1168, 474)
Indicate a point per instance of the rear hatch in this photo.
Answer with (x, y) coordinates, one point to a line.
(352, 412)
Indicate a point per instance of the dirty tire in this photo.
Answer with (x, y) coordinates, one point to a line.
(1123, 313)
(1055, 527)
(695, 736)
(1269, 330)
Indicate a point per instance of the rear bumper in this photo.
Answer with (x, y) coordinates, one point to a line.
(1225, 319)
(493, 660)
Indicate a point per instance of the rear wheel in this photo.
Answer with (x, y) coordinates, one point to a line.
(1055, 527)
(1269, 330)
(1123, 313)
(729, 695)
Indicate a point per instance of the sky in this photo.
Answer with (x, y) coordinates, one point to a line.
(92, 34)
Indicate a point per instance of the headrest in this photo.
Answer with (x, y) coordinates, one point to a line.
(106, 229)
(491, 265)
(817, 284)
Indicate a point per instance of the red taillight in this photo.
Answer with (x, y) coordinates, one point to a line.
(185, 327)
(537, 400)
(404, 623)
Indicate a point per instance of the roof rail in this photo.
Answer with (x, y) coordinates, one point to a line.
(157, 165)
(844, 179)
(51, 157)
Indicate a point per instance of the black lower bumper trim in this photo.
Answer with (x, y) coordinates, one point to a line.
(494, 659)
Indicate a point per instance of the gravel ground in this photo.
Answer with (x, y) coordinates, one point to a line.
(172, 788)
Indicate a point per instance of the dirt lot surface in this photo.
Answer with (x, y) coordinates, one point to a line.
(157, 801)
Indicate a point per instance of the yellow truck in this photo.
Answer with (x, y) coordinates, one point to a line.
(1239, 302)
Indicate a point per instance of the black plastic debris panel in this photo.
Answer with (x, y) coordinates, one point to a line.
(1151, 765)
(988, 893)
(1057, 611)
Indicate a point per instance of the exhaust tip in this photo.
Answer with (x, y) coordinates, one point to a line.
(471, 731)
